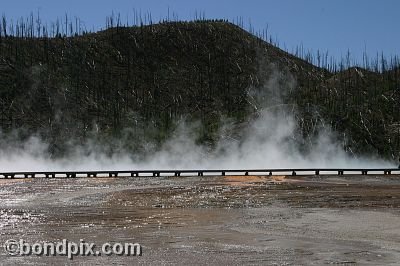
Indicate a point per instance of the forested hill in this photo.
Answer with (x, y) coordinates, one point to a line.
(137, 83)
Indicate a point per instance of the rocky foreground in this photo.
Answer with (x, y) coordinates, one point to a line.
(233, 220)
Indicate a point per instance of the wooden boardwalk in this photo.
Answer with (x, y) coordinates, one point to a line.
(204, 172)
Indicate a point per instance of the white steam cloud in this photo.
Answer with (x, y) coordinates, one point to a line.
(267, 144)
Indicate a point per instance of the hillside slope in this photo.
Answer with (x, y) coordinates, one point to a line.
(136, 84)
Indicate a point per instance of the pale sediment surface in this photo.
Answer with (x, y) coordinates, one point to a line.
(209, 220)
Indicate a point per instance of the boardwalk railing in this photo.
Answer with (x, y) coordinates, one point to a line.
(208, 172)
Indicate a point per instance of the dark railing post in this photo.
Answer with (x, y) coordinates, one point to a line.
(112, 174)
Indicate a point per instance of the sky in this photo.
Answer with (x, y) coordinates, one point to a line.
(336, 26)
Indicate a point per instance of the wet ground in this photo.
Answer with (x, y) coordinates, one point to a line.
(303, 220)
